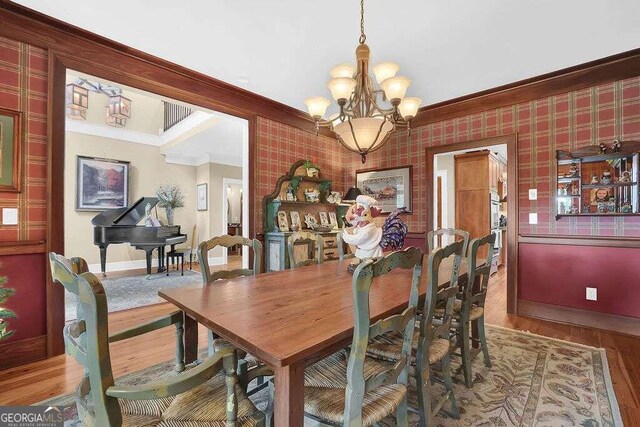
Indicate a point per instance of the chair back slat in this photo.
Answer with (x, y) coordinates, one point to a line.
(434, 238)
(315, 245)
(343, 252)
(478, 275)
(363, 278)
(227, 241)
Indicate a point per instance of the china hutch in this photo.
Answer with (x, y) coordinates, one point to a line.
(598, 180)
(302, 200)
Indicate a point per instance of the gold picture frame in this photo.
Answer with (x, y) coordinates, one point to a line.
(10, 150)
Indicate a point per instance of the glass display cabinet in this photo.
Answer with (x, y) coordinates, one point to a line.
(598, 180)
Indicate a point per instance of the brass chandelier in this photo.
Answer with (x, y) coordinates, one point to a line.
(363, 124)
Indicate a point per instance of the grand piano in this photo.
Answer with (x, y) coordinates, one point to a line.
(121, 226)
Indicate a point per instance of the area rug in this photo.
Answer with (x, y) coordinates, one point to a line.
(136, 291)
(533, 381)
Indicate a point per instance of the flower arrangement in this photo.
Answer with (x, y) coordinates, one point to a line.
(170, 197)
(5, 313)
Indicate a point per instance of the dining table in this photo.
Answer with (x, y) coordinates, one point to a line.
(290, 319)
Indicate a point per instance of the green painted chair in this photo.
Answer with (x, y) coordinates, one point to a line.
(434, 238)
(249, 367)
(343, 252)
(315, 245)
(431, 341)
(351, 389)
(202, 395)
(469, 309)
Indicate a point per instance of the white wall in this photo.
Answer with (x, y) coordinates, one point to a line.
(446, 163)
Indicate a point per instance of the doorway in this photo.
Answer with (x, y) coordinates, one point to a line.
(232, 208)
(498, 211)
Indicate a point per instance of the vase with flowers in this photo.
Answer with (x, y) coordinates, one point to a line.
(170, 197)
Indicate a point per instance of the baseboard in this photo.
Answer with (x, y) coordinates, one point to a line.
(575, 316)
(24, 351)
(140, 263)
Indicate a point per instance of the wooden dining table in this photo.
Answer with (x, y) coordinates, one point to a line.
(290, 319)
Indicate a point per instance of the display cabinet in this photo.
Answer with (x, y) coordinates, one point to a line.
(302, 200)
(598, 180)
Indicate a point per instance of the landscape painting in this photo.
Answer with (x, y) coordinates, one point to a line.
(390, 187)
(101, 184)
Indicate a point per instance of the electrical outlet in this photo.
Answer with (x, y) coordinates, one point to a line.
(533, 218)
(9, 216)
(533, 194)
(592, 294)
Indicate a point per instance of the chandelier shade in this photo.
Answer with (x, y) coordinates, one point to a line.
(114, 121)
(367, 115)
(120, 107)
(76, 97)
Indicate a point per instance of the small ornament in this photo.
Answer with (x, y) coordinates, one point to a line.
(602, 207)
(605, 178)
(311, 195)
(586, 207)
(615, 146)
(594, 179)
(310, 220)
(290, 196)
(611, 205)
(603, 148)
(574, 209)
(562, 209)
(573, 170)
(625, 177)
(626, 208)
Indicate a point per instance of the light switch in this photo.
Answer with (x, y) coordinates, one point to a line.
(533, 218)
(533, 194)
(9, 216)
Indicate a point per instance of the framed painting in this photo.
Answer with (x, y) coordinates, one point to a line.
(101, 184)
(391, 187)
(10, 149)
(203, 202)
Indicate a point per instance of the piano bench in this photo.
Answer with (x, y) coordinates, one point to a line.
(175, 256)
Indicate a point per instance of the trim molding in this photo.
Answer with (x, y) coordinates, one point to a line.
(611, 68)
(614, 242)
(22, 247)
(575, 316)
(21, 352)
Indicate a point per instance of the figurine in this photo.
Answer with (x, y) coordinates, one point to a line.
(603, 148)
(290, 196)
(602, 207)
(605, 178)
(625, 177)
(611, 205)
(626, 208)
(334, 197)
(563, 209)
(586, 207)
(369, 238)
(594, 179)
(147, 215)
(574, 209)
(573, 171)
(615, 146)
(310, 220)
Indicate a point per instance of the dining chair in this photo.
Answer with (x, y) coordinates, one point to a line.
(250, 367)
(431, 341)
(197, 395)
(189, 252)
(343, 252)
(315, 245)
(468, 311)
(434, 238)
(350, 388)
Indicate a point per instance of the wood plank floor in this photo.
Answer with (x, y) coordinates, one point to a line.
(48, 378)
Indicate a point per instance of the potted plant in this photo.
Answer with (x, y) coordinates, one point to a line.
(5, 313)
(170, 197)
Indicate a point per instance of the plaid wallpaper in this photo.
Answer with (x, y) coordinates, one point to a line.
(568, 121)
(280, 145)
(23, 87)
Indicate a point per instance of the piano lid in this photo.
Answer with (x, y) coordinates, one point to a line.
(130, 216)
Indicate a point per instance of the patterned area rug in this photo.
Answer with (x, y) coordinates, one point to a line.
(533, 381)
(136, 291)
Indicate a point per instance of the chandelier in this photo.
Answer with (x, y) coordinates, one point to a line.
(368, 116)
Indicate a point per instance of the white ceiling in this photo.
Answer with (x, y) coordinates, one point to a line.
(284, 49)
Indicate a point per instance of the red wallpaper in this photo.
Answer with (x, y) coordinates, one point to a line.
(280, 145)
(23, 87)
(568, 121)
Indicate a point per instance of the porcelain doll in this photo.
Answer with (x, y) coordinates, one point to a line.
(606, 178)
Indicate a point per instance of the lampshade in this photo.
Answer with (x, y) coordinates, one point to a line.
(341, 87)
(120, 107)
(351, 195)
(385, 70)
(342, 70)
(76, 114)
(395, 87)
(368, 133)
(114, 121)
(76, 97)
(409, 107)
(317, 106)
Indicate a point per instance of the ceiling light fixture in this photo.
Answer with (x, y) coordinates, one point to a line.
(364, 123)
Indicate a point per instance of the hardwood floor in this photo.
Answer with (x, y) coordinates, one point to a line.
(48, 378)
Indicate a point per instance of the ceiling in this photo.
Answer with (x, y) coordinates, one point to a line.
(284, 49)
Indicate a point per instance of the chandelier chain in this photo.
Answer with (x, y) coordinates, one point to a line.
(363, 36)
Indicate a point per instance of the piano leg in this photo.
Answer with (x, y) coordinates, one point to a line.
(103, 259)
(149, 254)
(161, 266)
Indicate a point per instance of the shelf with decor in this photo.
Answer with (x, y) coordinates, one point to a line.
(302, 200)
(598, 180)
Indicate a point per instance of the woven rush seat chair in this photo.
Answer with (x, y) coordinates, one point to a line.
(349, 388)
(250, 367)
(199, 395)
(314, 243)
(468, 308)
(432, 343)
